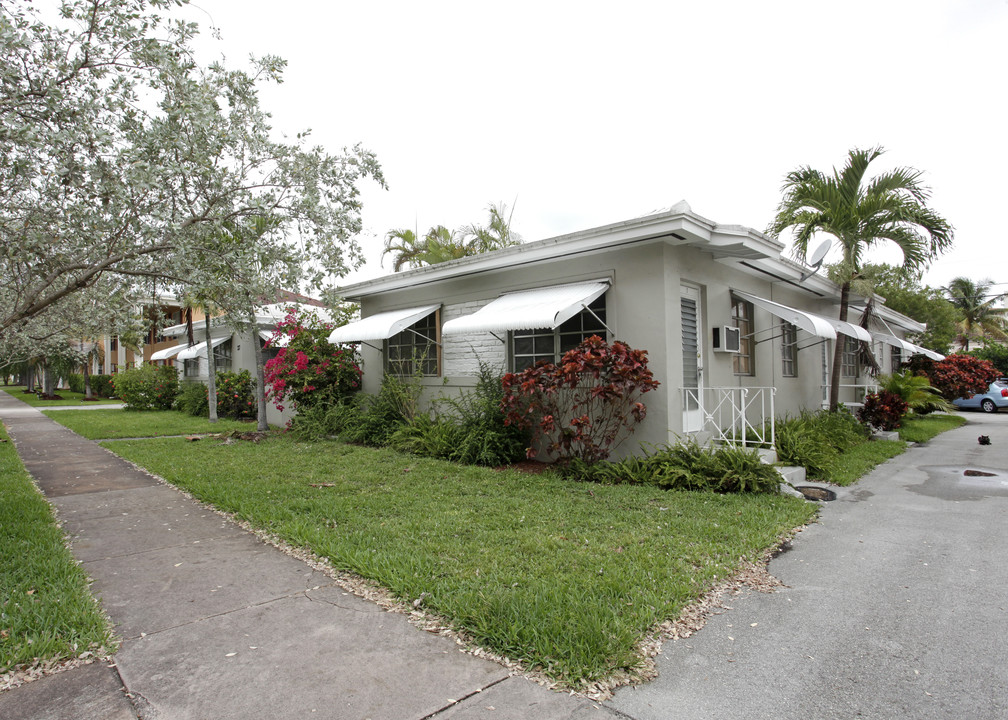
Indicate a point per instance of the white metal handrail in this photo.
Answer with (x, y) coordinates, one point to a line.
(860, 390)
(734, 414)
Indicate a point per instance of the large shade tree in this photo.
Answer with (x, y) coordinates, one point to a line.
(982, 319)
(121, 157)
(860, 212)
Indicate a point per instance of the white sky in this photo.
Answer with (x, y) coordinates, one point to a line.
(591, 112)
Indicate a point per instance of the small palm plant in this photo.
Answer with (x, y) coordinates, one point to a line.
(915, 390)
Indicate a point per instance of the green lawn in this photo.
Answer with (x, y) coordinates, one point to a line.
(921, 428)
(856, 462)
(119, 423)
(565, 576)
(46, 609)
(69, 397)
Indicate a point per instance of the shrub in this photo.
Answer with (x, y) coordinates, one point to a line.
(310, 371)
(583, 407)
(75, 381)
(147, 387)
(686, 466)
(193, 400)
(957, 375)
(804, 444)
(235, 396)
(883, 410)
(101, 385)
(915, 390)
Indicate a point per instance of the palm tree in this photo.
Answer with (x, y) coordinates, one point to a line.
(441, 244)
(860, 213)
(405, 247)
(980, 318)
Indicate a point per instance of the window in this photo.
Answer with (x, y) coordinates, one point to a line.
(789, 349)
(742, 318)
(114, 344)
(222, 356)
(415, 350)
(268, 353)
(896, 359)
(530, 346)
(849, 361)
(191, 368)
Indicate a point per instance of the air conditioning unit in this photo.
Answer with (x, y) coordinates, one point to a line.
(727, 339)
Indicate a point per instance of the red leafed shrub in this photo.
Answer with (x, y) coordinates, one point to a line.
(957, 375)
(883, 410)
(583, 407)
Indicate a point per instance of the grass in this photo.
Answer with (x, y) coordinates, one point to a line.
(564, 576)
(857, 461)
(922, 428)
(119, 423)
(46, 610)
(69, 397)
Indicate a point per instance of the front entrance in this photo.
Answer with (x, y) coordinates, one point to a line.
(689, 299)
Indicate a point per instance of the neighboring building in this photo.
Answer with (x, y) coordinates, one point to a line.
(733, 332)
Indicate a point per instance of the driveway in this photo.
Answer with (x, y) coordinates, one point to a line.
(896, 604)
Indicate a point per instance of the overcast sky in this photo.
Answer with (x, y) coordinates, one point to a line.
(584, 113)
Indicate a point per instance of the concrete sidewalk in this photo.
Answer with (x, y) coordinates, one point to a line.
(215, 624)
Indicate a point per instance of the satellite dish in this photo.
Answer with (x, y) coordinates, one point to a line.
(815, 259)
(817, 256)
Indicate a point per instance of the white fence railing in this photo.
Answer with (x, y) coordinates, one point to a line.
(739, 415)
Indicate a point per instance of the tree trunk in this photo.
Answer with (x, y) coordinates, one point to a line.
(211, 372)
(87, 378)
(834, 395)
(260, 387)
(29, 377)
(47, 382)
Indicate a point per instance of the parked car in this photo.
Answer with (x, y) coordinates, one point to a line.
(993, 400)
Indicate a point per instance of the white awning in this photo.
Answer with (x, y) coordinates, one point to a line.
(200, 349)
(381, 326)
(809, 322)
(907, 347)
(167, 353)
(279, 342)
(547, 307)
(845, 328)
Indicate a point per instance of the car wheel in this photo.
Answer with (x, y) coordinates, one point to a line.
(988, 406)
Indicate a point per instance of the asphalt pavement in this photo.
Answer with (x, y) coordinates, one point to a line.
(894, 605)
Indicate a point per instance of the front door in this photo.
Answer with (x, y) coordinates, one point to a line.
(692, 359)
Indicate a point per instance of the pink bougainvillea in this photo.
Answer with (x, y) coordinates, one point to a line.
(310, 370)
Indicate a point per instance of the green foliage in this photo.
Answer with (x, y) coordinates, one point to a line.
(978, 306)
(147, 387)
(101, 385)
(686, 466)
(922, 429)
(816, 440)
(235, 397)
(904, 293)
(118, 423)
(192, 399)
(46, 610)
(915, 390)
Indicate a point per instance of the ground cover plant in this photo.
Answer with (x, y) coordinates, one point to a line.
(67, 397)
(46, 609)
(119, 423)
(855, 462)
(565, 576)
(816, 440)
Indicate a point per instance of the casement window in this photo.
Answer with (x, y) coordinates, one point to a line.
(789, 350)
(531, 346)
(896, 359)
(415, 350)
(849, 359)
(191, 367)
(744, 361)
(222, 356)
